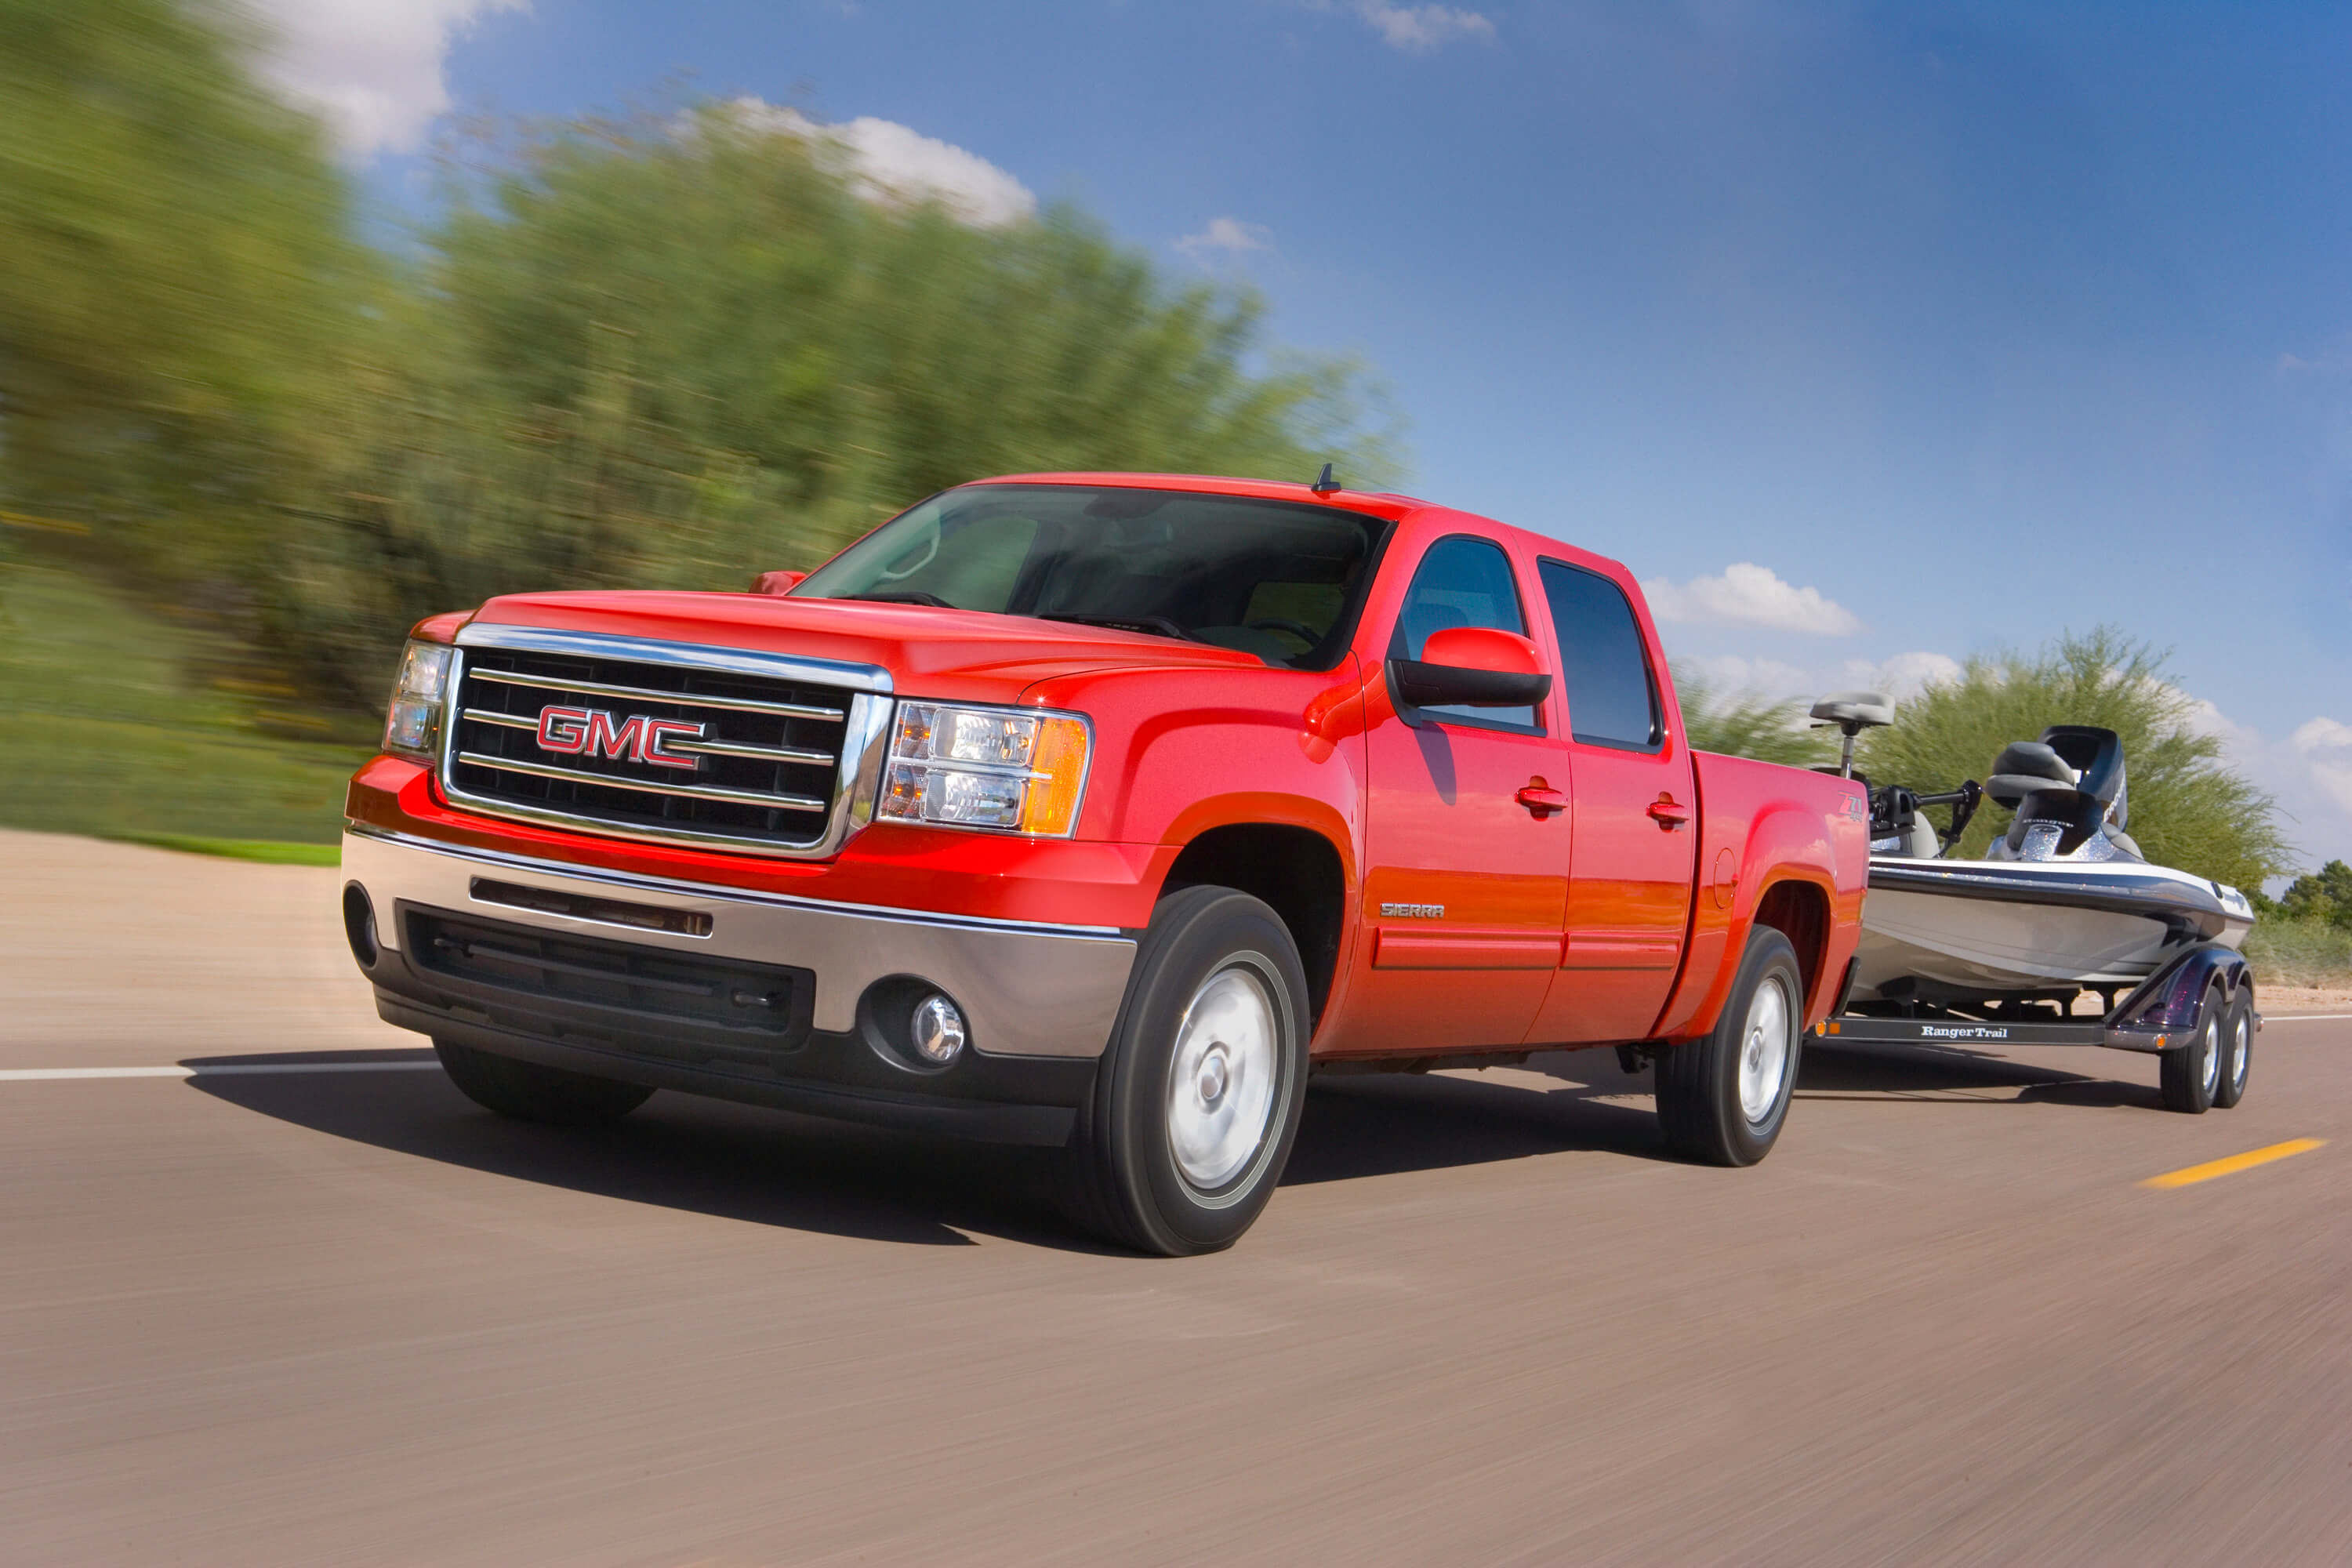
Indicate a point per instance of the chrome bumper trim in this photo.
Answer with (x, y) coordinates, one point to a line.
(1027, 989)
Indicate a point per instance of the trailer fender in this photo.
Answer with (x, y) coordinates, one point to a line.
(2171, 1002)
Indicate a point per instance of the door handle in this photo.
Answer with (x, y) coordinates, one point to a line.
(1667, 814)
(1540, 800)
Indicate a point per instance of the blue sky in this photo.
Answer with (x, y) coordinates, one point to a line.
(1875, 336)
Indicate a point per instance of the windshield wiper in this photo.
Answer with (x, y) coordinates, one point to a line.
(911, 597)
(1158, 625)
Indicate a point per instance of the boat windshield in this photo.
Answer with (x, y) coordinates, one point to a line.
(1282, 580)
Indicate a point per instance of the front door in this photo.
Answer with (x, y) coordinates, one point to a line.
(1466, 890)
(1629, 896)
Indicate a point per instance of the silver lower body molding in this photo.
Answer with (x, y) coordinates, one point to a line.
(1025, 990)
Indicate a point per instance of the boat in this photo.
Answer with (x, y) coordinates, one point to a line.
(2063, 902)
(1958, 953)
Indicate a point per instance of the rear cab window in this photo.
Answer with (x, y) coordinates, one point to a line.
(1605, 674)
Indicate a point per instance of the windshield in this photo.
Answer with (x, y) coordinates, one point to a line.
(1277, 579)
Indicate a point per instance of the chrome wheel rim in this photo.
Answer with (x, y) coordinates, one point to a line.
(2212, 1070)
(1764, 1050)
(1220, 1078)
(2241, 1050)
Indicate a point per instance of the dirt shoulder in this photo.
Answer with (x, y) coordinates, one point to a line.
(2281, 1001)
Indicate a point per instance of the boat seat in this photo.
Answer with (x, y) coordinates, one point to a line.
(2098, 755)
(2025, 766)
(1861, 710)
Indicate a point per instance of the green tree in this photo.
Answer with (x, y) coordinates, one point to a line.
(2189, 808)
(671, 353)
(177, 264)
(2321, 895)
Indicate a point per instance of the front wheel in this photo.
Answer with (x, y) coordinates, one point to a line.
(1722, 1098)
(1197, 1098)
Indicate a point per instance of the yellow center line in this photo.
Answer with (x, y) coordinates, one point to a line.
(2192, 1174)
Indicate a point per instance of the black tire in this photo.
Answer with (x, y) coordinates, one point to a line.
(1700, 1110)
(1120, 1177)
(2237, 1051)
(529, 1093)
(2191, 1072)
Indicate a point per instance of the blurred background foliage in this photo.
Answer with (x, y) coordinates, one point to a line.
(1741, 724)
(668, 352)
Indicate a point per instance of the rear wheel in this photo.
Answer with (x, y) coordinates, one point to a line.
(529, 1093)
(1723, 1097)
(2190, 1073)
(1197, 1098)
(2237, 1051)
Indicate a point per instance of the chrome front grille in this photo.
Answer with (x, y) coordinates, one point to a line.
(663, 741)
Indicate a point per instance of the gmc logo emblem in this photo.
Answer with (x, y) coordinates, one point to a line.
(591, 732)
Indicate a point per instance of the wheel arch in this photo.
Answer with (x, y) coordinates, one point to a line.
(1298, 871)
(1799, 909)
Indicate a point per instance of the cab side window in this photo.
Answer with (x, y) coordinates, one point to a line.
(1463, 582)
(1603, 664)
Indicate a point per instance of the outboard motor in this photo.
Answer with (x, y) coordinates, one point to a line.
(2068, 792)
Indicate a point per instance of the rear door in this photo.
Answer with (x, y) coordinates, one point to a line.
(1636, 818)
(1465, 889)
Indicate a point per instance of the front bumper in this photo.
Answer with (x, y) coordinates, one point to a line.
(1039, 1001)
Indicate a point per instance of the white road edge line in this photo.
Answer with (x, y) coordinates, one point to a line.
(44, 1075)
(2270, 1018)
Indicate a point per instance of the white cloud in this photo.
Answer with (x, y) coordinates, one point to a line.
(1905, 676)
(372, 67)
(1767, 679)
(1902, 678)
(890, 162)
(2324, 746)
(1228, 235)
(2322, 734)
(1748, 595)
(1418, 29)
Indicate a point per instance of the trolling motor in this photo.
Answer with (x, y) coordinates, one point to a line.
(1895, 822)
(1894, 819)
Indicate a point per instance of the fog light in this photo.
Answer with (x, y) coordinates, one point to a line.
(937, 1030)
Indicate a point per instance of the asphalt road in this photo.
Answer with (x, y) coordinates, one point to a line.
(330, 1317)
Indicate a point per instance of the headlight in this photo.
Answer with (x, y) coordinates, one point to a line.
(1019, 770)
(413, 727)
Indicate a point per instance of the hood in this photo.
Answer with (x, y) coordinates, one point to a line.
(951, 654)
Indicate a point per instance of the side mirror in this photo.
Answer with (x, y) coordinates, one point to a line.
(1470, 667)
(776, 582)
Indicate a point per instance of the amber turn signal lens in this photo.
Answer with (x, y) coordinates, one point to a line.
(1059, 765)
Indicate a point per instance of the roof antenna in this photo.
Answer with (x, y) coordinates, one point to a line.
(1325, 484)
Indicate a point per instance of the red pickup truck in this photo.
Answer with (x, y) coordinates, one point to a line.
(1096, 812)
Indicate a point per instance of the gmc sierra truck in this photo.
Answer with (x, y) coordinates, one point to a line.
(1094, 812)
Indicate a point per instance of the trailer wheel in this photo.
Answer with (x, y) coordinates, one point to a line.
(2190, 1073)
(529, 1093)
(2237, 1052)
(1723, 1097)
(1197, 1098)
